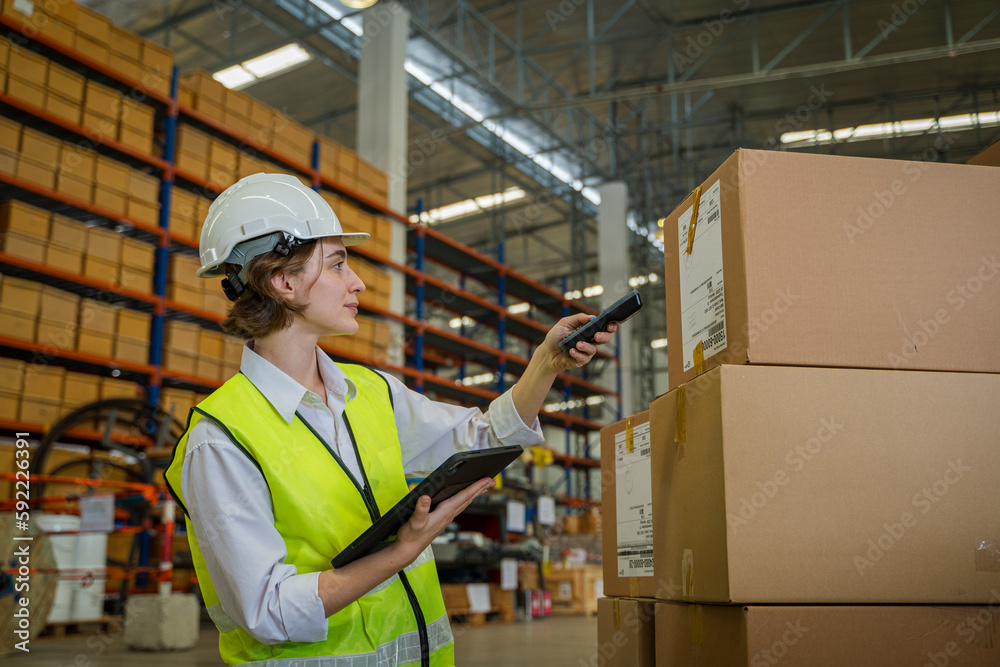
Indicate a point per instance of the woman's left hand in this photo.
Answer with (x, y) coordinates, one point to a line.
(559, 361)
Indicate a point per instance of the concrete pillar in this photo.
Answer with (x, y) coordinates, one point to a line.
(614, 271)
(382, 126)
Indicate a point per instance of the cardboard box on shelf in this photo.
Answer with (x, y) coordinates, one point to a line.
(157, 58)
(23, 247)
(133, 325)
(210, 344)
(825, 636)
(16, 216)
(203, 85)
(137, 139)
(179, 361)
(97, 316)
(223, 155)
(12, 374)
(98, 124)
(114, 201)
(853, 240)
(75, 187)
(58, 32)
(137, 115)
(95, 343)
(59, 305)
(10, 134)
(192, 162)
(42, 148)
(627, 507)
(126, 42)
(26, 90)
(626, 632)
(91, 49)
(138, 254)
(43, 381)
(181, 336)
(182, 270)
(64, 258)
(66, 83)
(39, 173)
(15, 324)
(177, 402)
(143, 211)
(76, 162)
(144, 187)
(39, 410)
(104, 243)
(210, 369)
(57, 334)
(826, 485)
(214, 300)
(28, 65)
(20, 296)
(184, 295)
(109, 273)
(91, 23)
(133, 351)
(113, 175)
(118, 388)
(8, 161)
(81, 389)
(127, 67)
(101, 99)
(136, 279)
(210, 108)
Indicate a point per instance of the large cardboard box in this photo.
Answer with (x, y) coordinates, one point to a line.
(860, 636)
(825, 260)
(20, 296)
(625, 633)
(826, 485)
(627, 508)
(989, 157)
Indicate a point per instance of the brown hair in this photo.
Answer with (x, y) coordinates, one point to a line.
(260, 310)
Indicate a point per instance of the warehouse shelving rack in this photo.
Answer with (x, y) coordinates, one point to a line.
(432, 346)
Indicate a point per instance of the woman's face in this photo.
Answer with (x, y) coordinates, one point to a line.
(332, 297)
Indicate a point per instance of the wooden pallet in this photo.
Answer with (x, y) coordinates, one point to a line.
(107, 624)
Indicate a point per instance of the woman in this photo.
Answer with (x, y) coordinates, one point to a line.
(292, 458)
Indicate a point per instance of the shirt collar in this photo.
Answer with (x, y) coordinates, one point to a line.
(283, 392)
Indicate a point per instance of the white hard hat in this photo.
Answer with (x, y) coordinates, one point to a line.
(261, 213)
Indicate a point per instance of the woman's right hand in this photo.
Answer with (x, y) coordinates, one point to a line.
(417, 533)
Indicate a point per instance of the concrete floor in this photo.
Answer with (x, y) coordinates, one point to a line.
(551, 642)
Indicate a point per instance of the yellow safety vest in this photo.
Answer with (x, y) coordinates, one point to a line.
(319, 509)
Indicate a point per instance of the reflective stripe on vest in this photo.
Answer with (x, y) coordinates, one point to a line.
(400, 651)
(319, 510)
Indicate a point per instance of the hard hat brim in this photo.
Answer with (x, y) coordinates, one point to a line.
(218, 270)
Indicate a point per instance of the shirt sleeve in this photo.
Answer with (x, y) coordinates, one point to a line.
(430, 431)
(229, 506)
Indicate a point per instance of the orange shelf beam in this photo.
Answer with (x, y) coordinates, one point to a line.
(73, 355)
(76, 278)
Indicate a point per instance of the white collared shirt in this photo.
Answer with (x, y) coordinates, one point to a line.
(230, 507)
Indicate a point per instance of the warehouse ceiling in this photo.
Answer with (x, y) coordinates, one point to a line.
(656, 93)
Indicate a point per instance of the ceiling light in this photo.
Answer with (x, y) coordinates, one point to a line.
(358, 4)
(658, 343)
(277, 60)
(901, 128)
(519, 308)
(234, 77)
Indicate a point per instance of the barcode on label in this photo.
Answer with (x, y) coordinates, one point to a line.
(716, 328)
(713, 216)
(644, 451)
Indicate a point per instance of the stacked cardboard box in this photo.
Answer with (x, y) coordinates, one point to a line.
(27, 75)
(112, 180)
(177, 402)
(132, 336)
(57, 318)
(138, 259)
(377, 282)
(575, 589)
(24, 231)
(793, 463)
(187, 213)
(79, 389)
(222, 163)
(67, 244)
(193, 147)
(135, 126)
(183, 284)
(39, 158)
(11, 386)
(97, 325)
(10, 144)
(20, 301)
(143, 201)
(211, 345)
(64, 93)
(104, 255)
(180, 347)
(41, 395)
(76, 171)
(102, 108)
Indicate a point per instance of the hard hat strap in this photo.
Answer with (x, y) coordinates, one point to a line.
(235, 282)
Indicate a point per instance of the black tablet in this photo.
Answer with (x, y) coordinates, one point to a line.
(455, 474)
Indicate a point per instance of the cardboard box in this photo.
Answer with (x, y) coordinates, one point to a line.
(42, 148)
(81, 389)
(181, 336)
(143, 211)
(75, 187)
(39, 410)
(91, 23)
(180, 362)
(15, 324)
(137, 115)
(43, 381)
(115, 202)
(626, 632)
(108, 273)
(203, 85)
(105, 244)
(136, 352)
(91, 49)
(134, 325)
(64, 258)
(214, 301)
(819, 485)
(20, 296)
(184, 295)
(66, 83)
(57, 334)
(125, 42)
(39, 173)
(59, 32)
(193, 163)
(136, 279)
(56, 304)
(98, 317)
(836, 261)
(23, 247)
(77, 162)
(8, 161)
(113, 175)
(28, 65)
(989, 156)
(157, 58)
(10, 134)
(183, 271)
(138, 254)
(102, 100)
(63, 107)
(137, 139)
(98, 125)
(95, 343)
(12, 374)
(117, 388)
(26, 90)
(210, 344)
(627, 508)
(210, 369)
(861, 636)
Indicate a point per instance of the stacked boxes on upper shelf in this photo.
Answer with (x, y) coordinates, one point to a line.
(189, 349)
(828, 447)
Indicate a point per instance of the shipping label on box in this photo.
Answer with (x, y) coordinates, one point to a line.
(634, 502)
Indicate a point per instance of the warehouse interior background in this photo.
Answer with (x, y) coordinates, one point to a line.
(555, 137)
